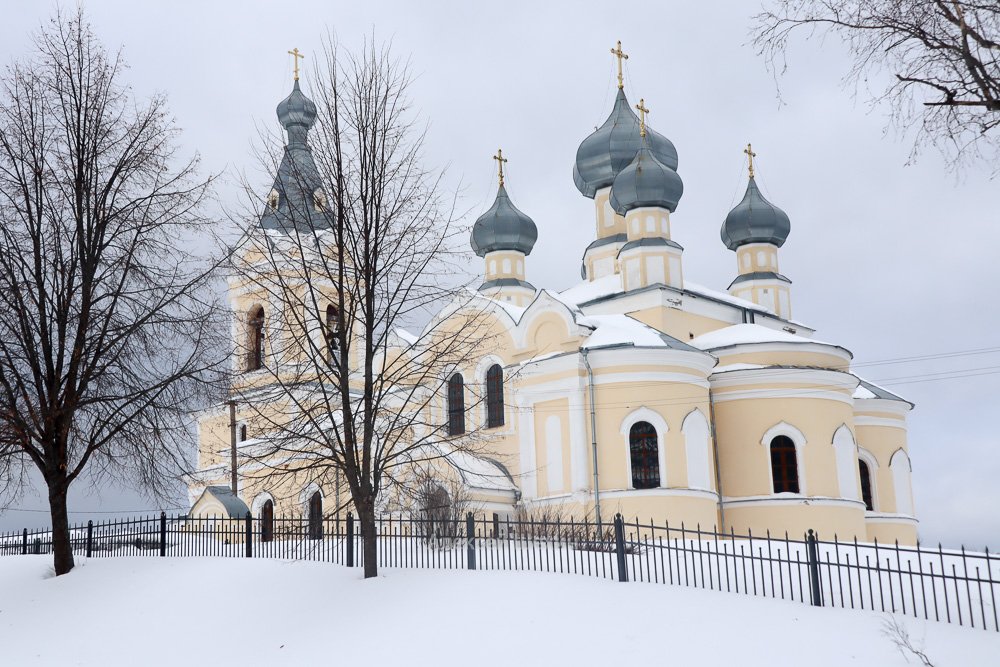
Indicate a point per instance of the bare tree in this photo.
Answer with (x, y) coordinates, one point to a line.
(358, 243)
(108, 337)
(942, 56)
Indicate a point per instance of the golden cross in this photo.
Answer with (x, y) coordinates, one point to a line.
(641, 106)
(294, 53)
(751, 155)
(620, 55)
(500, 160)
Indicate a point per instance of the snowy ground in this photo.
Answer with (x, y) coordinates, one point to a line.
(193, 611)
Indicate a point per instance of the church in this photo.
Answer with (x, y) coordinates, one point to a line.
(635, 391)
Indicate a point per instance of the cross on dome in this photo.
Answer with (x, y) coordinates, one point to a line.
(294, 53)
(500, 160)
(748, 151)
(641, 107)
(620, 55)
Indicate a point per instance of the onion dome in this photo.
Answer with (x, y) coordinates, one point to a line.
(613, 146)
(755, 220)
(297, 113)
(296, 199)
(503, 227)
(646, 182)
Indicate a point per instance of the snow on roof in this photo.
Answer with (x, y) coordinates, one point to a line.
(480, 472)
(588, 290)
(623, 330)
(737, 367)
(405, 335)
(869, 390)
(741, 334)
(724, 296)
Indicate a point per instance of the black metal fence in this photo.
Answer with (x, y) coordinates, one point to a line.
(935, 584)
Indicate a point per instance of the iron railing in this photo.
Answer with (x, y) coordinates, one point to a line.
(953, 586)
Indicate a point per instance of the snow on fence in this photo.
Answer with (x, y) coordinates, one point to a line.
(950, 586)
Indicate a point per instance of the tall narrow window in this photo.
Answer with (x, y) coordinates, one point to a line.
(243, 433)
(456, 405)
(316, 516)
(332, 329)
(267, 521)
(494, 396)
(645, 455)
(255, 354)
(784, 466)
(866, 485)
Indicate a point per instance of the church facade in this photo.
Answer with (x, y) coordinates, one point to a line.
(637, 391)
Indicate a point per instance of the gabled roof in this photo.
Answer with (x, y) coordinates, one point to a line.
(235, 507)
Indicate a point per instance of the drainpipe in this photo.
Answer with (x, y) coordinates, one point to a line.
(593, 436)
(715, 450)
(232, 444)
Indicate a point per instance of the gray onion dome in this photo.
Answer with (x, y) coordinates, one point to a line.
(297, 113)
(646, 182)
(613, 146)
(755, 220)
(297, 188)
(503, 227)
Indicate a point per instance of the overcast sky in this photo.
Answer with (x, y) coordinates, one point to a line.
(890, 260)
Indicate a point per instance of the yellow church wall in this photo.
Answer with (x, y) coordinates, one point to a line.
(786, 357)
(890, 532)
(882, 442)
(692, 508)
(551, 427)
(609, 223)
(741, 424)
(827, 519)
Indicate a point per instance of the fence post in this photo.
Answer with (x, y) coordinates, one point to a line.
(812, 556)
(249, 535)
(350, 539)
(470, 541)
(163, 534)
(620, 547)
(90, 538)
(24, 542)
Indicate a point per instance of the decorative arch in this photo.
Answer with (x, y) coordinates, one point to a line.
(263, 508)
(311, 501)
(697, 447)
(867, 459)
(255, 338)
(899, 464)
(646, 415)
(845, 450)
(798, 439)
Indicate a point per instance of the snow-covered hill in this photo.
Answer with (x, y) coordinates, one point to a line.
(160, 612)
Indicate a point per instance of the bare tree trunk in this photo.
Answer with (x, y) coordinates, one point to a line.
(366, 513)
(62, 548)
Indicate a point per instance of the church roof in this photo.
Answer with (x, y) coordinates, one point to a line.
(646, 182)
(755, 220)
(867, 390)
(613, 146)
(503, 227)
(622, 330)
(229, 500)
(297, 183)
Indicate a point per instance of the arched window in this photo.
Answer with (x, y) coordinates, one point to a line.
(332, 329)
(784, 466)
(866, 485)
(316, 516)
(255, 344)
(645, 456)
(494, 396)
(456, 405)
(267, 521)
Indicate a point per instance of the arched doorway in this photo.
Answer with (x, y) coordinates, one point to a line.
(316, 516)
(267, 521)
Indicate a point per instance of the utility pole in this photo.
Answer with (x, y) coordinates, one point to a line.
(232, 443)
